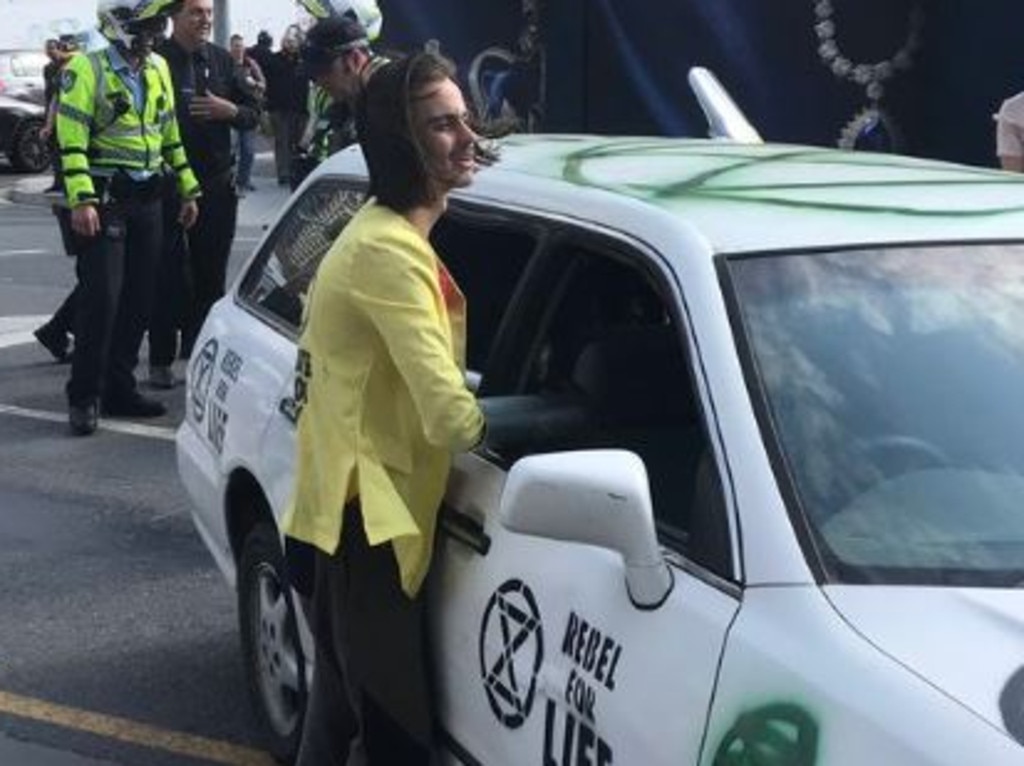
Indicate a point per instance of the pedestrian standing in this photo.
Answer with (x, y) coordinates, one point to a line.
(263, 51)
(54, 334)
(383, 405)
(287, 95)
(252, 77)
(212, 99)
(117, 129)
(51, 81)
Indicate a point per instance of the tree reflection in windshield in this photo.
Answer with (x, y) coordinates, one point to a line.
(894, 378)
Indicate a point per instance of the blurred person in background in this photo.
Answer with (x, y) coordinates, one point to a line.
(287, 96)
(251, 75)
(55, 334)
(263, 50)
(1010, 134)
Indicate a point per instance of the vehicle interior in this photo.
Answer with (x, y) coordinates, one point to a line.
(605, 367)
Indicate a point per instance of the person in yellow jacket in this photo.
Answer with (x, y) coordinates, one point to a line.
(383, 404)
(117, 131)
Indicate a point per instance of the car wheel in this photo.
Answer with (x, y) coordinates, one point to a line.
(275, 667)
(29, 152)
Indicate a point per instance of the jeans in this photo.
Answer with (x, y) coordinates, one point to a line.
(246, 140)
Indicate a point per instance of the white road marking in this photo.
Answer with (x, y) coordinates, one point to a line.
(17, 331)
(162, 433)
(16, 253)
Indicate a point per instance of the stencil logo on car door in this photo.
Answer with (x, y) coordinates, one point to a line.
(511, 652)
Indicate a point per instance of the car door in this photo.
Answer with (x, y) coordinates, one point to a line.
(541, 655)
(274, 290)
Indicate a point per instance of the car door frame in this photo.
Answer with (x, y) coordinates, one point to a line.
(468, 526)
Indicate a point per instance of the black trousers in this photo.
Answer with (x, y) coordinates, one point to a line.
(370, 702)
(168, 313)
(63, 319)
(193, 269)
(116, 280)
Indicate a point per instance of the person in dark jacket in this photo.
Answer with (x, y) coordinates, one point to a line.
(262, 51)
(211, 99)
(287, 97)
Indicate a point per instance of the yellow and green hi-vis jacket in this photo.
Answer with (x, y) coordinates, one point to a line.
(99, 129)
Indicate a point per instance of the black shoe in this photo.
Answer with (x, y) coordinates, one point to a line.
(135, 406)
(53, 341)
(82, 419)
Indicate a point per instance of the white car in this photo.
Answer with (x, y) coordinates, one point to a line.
(753, 490)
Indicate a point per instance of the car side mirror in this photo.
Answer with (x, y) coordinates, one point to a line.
(597, 497)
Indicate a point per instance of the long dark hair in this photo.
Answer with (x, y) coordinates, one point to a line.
(399, 177)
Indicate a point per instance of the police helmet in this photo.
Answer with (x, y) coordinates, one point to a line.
(366, 12)
(123, 21)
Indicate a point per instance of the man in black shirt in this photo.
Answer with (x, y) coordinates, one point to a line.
(211, 99)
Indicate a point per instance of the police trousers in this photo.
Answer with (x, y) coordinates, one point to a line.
(116, 282)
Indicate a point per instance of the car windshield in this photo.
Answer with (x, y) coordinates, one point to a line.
(893, 382)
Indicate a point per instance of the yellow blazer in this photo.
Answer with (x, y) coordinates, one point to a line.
(380, 384)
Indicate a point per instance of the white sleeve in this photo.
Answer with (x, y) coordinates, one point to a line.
(1009, 132)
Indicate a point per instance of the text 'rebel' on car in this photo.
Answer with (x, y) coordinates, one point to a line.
(753, 484)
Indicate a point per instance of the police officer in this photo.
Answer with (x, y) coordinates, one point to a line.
(117, 129)
(338, 57)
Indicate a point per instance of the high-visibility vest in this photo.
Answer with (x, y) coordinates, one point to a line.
(319, 103)
(100, 130)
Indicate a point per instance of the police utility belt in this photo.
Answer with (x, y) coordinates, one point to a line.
(120, 186)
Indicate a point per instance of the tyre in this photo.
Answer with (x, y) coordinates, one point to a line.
(275, 667)
(29, 152)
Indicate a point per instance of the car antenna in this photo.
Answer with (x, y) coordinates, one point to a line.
(725, 119)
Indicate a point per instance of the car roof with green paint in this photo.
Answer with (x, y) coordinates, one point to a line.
(758, 197)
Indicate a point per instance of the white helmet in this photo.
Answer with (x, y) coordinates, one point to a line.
(366, 12)
(121, 21)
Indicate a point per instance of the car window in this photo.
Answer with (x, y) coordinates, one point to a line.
(893, 377)
(487, 257)
(606, 366)
(28, 65)
(276, 283)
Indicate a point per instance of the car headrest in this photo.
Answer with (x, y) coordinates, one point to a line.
(636, 375)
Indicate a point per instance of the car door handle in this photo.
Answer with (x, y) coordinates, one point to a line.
(466, 529)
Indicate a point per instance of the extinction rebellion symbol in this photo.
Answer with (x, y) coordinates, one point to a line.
(202, 376)
(511, 651)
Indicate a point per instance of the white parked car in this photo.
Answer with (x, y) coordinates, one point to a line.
(753, 490)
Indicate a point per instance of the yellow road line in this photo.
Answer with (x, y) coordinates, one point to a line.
(132, 732)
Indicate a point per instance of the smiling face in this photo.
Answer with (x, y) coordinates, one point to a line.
(193, 24)
(447, 144)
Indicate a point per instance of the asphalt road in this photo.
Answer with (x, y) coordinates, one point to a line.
(118, 635)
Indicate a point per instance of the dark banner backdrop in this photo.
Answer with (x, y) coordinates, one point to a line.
(620, 66)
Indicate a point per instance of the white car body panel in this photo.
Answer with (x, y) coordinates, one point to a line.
(858, 704)
(621, 713)
(965, 641)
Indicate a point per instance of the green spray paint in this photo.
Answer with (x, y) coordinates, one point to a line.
(780, 734)
(575, 158)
